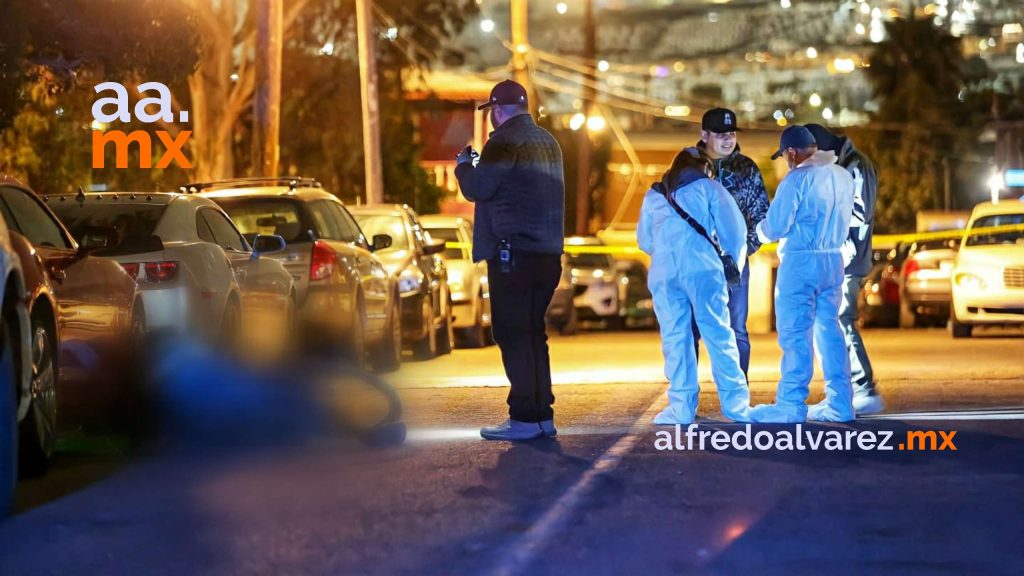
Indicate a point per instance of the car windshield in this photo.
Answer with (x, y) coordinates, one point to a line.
(1009, 237)
(258, 216)
(394, 226)
(133, 222)
(586, 260)
(449, 235)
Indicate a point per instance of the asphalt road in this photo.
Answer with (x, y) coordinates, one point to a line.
(600, 499)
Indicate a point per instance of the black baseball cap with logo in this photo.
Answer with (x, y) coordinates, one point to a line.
(719, 121)
(504, 93)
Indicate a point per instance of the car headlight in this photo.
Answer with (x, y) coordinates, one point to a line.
(970, 282)
(457, 286)
(410, 280)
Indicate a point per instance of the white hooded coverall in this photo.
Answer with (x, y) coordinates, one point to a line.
(686, 273)
(810, 216)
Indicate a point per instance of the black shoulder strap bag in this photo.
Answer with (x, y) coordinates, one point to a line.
(732, 271)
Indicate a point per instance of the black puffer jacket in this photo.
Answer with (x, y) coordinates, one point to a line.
(741, 177)
(519, 190)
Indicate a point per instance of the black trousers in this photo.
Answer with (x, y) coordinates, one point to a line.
(519, 299)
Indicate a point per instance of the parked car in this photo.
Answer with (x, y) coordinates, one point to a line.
(561, 314)
(879, 297)
(471, 298)
(925, 282)
(600, 293)
(988, 274)
(86, 322)
(15, 344)
(637, 303)
(197, 274)
(344, 294)
(415, 260)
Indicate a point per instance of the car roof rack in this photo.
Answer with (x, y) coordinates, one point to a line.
(292, 182)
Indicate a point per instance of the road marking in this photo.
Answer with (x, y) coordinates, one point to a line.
(952, 415)
(541, 533)
(448, 434)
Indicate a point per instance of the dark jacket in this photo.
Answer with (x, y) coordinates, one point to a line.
(862, 226)
(518, 189)
(741, 177)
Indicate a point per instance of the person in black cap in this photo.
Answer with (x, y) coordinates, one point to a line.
(519, 191)
(741, 177)
(858, 255)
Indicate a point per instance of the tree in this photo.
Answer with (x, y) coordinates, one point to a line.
(926, 113)
(321, 125)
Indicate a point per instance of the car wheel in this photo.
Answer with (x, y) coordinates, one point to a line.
(8, 411)
(389, 354)
(357, 342)
(476, 337)
(446, 334)
(133, 407)
(908, 319)
(37, 434)
(426, 348)
(959, 329)
(616, 323)
(230, 326)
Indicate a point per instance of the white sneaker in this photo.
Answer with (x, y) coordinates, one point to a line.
(777, 414)
(668, 417)
(548, 428)
(513, 431)
(864, 405)
(824, 412)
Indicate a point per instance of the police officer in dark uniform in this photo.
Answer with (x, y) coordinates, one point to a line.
(519, 192)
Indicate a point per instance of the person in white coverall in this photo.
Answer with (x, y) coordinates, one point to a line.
(810, 217)
(686, 274)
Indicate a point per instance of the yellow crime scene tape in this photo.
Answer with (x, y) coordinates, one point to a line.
(879, 239)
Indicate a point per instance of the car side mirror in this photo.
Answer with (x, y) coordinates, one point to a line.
(380, 242)
(267, 244)
(433, 248)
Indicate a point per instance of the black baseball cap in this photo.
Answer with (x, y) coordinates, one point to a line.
(719, 121)
(504, 93)
(796, 137)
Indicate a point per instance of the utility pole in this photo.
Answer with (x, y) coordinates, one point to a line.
(521, 48)
(583, 137)
(266, 132)
(370, 103)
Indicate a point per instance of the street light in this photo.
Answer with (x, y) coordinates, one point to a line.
(577, 121)
(995, 184)
(562, 7)
(596, 123)
(487, 25)
(815, 100)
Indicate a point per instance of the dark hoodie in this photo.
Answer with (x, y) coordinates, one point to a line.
(866, 194)
(741, 177)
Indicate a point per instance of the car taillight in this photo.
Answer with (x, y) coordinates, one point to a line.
(890, 291)
(132, 270)
(910, 267)
(161, 271)
(321, 265)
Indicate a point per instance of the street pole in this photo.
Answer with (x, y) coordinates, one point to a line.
(583, 137)
(269, 16)
(370, 103)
